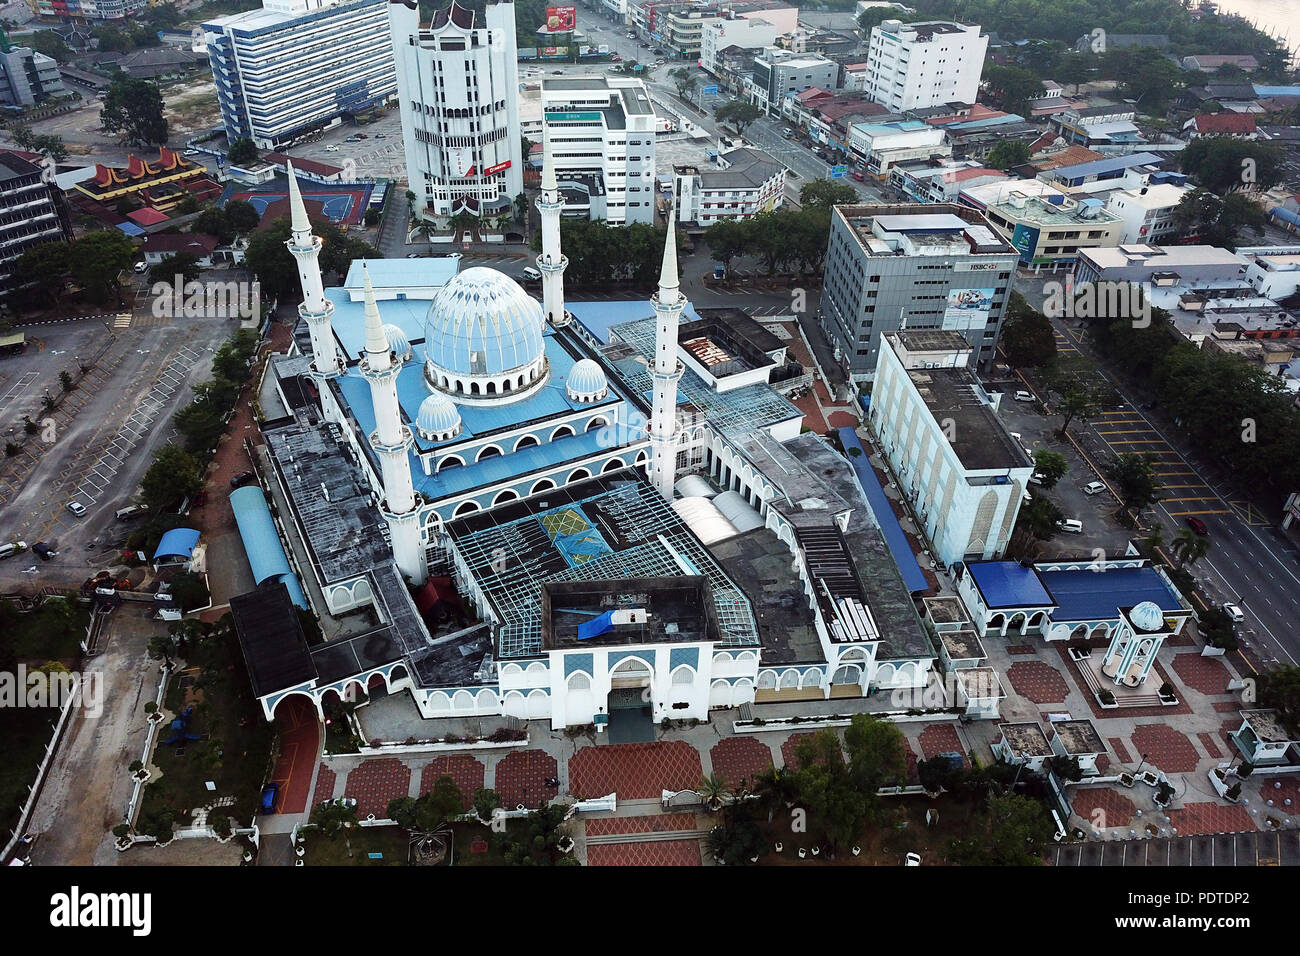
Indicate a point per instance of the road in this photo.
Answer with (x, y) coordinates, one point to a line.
(1248, 564)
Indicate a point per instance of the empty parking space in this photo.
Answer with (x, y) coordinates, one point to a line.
(1183, 493)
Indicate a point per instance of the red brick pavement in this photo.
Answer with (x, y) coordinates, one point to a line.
(740, 758)
(1228, 707)
(1211, 745)
(1206, 674)
(1020, 650)
(1279, 791)
(655, 823)
(658, 853)
(1103, 763)
(1166, 748)
(325, 781)
(791, 745)
(1118, 809)
(1226, 730)
(1038, 681)
(1194, 819)
(375, 782)
(634, 771)
(1121, 752)
(464, 770)
(941, 739)
(521, 778)
(913, 775)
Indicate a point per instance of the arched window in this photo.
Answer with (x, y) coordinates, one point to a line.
(683, 676)
(526, 441)
(473, 388)
(579, 681)
(544, 485)
(612, 465)
(597, 422)
(564, 431)
(504, 496)
(579, 474)
(465, 508)
(488, 451)
(451, 461)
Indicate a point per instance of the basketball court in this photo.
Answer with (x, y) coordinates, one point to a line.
(341, 204)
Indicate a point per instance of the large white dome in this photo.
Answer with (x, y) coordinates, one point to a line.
(483, 336)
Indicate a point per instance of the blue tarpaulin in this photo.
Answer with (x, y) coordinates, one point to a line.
(895, 539)
(596, 626)
(262, 543)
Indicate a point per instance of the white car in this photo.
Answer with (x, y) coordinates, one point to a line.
(77, 508)
(1094, 488)
(1235, 613)
(1072, 525)
(331, 149)
(1023, 396)
(531, 275)
(913, 859)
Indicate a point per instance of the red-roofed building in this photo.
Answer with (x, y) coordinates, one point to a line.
(827, 117)
(164, 245)
(279, 209)
(309, 168)
(158, 184)
(146, 217)
(1236, 125)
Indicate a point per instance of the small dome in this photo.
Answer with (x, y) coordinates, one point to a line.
(438, 418)
(586, 382)
(1147, 616)
(398, 342)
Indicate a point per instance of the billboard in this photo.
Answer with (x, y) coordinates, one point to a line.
(561, 19)
(1025, 240)
(967, 309)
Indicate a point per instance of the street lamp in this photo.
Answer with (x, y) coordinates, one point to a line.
(1140, 765)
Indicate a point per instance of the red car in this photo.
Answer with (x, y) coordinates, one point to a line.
(1197, 525)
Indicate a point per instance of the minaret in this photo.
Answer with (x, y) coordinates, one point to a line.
(315, 308)
(551, 262)
(391, 441)
(668, 303)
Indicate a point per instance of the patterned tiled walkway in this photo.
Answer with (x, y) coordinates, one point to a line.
(462, 768)
(521, 778)
(375, 782)
(1206, 674)
(1199, 818)
(1038, 681)
(634, 771)
(1168, 749)
(941, 739)
(656, 853)
(740, 758)
(654, 823)
(325, 779)
(1102, 806)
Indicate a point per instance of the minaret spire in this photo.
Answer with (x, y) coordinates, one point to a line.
(315, 309)
(552, 261)
(391, 441)
(668, 304)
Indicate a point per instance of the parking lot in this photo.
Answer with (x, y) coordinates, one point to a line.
(1258, 848)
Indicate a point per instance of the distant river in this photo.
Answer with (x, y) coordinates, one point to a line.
(1279, 18)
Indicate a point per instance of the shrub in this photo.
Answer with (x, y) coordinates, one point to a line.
(1234, 792)
(1106, 697)
(121, 830)
(452, 739)
(150, 707)
(136, 766)
(1166, 689)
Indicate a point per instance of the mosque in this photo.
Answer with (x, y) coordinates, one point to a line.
(501, 507)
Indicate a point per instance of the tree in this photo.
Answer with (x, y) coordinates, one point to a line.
(98, 259)
(65, 381)
(1075, 401)
(42, 270)
(185, 264)
(1219, 163)
(713, 790)
(1050, 467)
(485, 803)
(739, 113)
(1135, 479)
(1039, 518)
(826, 193)
(521, 208)
(270, 260)
(372, 217)
(1007, 153)
(134, 110)
(1016, 831)
(1027, 335)
(1154, 540)
(241, 216)
(212, 221)
(1206, 218)
(189, 591)
(1280, 689)
(332, 817)
(242, 151)
(684, 80)
(173, 475)
(1012, 86)
(1188, 547)
(49, 43)
(430, 811)
(738, 842)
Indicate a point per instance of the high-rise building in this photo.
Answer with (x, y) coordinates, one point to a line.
(88, 9)
(283, 71)
(931, 266)
(29, 214)
(779, 74)
(458, 88)
(601, 132)
(26, 77)
(915, 65)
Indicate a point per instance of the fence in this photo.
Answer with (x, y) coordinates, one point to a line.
(35, 791)
(137, 784)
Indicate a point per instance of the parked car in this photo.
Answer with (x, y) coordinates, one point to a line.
(1235, 613)
(331, 149)
(913, 859)
(363, 135)
(1023, 396)
(1094, 488)
(381, 136)
(1197, 525)
(11, 548)
(140, 267)
(788, 133)
(77, 508)
(130, 511)
(241, 479)
(860, 177)
(530, 274)
(43, 550)
(1072, 525)
(269, 795)
(1036, 478)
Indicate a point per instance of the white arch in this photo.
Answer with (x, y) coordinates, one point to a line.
(789, 679)
(488, 451)
(613, 465)
(465, 508)
(746, 657)
(486, 699)
(812, 677)
(563, 431)
(545, 484)
(722, 657)
(526, 441)
(448, 461)
(578, 474)
(767, 680)
(511, 670)
(504, 496)
(537, 667)
(462, 700)
(853, 654)
(684, 674)
(579, 680)
(597, 422)
(848, 674)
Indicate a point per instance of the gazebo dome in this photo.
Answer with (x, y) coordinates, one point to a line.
(438, 418)
(483, 337)
(398, 342)
(586, 382)
(1147, 616)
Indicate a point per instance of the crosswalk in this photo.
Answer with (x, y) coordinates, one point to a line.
(123, 320)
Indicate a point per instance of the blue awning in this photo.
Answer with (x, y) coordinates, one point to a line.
(262, 542)
(596, 626)
(177, 543)
(899, 547)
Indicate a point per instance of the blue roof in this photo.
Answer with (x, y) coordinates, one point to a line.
(895, 539)
(599, 317)
(1008, 584)
(407, 273)
(1277, 90)
(1003, 120)
(1109, 165)
(350, 319)
(130, 228)
(178, 542)
(1087, 595)
(261, 542)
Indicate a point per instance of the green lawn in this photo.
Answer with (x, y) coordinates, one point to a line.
(50, 633)
(351, 847)
(236, 749)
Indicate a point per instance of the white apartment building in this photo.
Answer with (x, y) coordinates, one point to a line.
(1047, 227)
(1147, 211)
(1272, 271)
(881, 145)
(916, 65)
(749, 33)
(458, 89)
(281, 72)
(744, 183)
(601, 132)
(962, 472)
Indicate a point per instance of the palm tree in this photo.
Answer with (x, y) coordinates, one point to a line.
(714, 791)
(1155, 539)
(1189, 547)
(773, 788)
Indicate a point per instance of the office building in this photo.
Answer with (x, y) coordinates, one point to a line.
(29, 214)
(917, 65)
(744, 183)
(281, 72)
(458, 89)
(1047, 227)
(27, 77)
(778, 74)
(934, 266)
